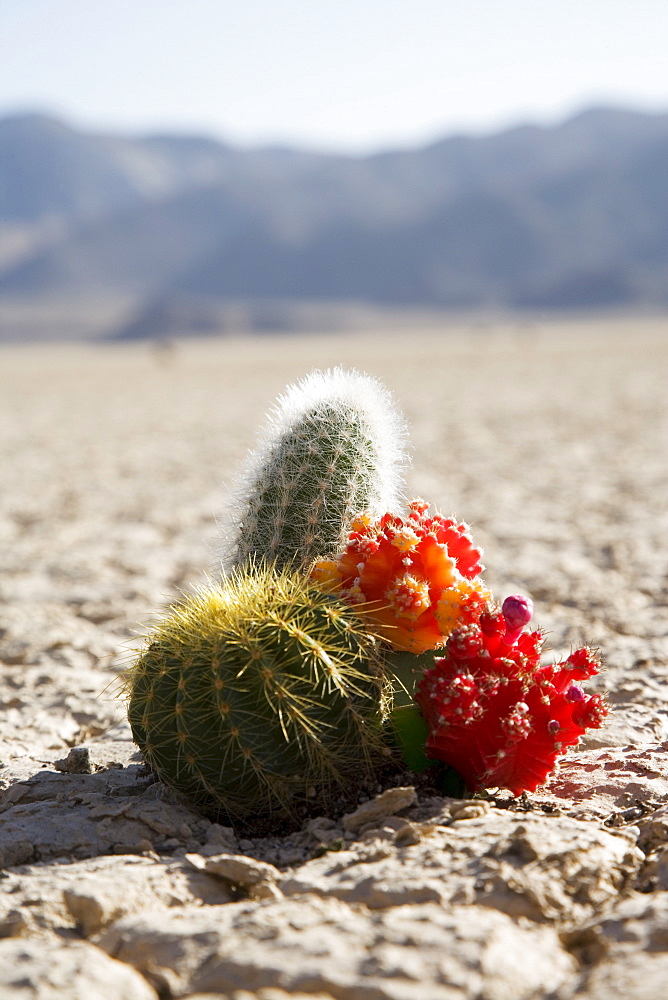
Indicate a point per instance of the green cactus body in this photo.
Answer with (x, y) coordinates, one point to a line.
(258, 693)
(333, 449)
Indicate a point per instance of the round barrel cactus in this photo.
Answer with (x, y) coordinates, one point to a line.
(259, 693)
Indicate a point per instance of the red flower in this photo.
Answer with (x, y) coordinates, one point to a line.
(415, 576)
(497, 716)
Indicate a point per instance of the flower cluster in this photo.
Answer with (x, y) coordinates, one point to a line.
(494, 713)
(417, 576)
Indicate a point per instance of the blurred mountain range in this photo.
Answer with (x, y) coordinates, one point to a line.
(570, 216)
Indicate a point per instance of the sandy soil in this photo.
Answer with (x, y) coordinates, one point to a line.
(552, 441)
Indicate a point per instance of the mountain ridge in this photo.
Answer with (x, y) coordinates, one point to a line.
(573, 215)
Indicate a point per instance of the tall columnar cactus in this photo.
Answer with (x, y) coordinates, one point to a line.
(258, 694)
(333, 448)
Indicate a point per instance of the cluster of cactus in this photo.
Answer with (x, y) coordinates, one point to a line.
(274, 686)
(264, 690)
(489, 710)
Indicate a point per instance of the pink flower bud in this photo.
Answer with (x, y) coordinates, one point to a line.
(517, 610)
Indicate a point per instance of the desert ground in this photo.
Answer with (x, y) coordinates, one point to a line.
(551, 439)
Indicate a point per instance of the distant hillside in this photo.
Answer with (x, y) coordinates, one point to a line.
(565, 217)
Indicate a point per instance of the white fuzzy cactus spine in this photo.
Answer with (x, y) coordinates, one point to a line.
(333, 447)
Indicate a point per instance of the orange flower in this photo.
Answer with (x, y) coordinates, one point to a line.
(417, 577)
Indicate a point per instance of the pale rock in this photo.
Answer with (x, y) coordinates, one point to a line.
(411, 833)
(235, 868)
(628, 977)
(13, 922)
(271, 994)
(654, 873)
(629, 724)
(264, 890)
(118, 808)
(541, 867)
(88, 895)
(44, 969)
(397, 829)
(624, 955)
(598, 783)
(219, 840)
(468, 810)
(323, 829)
(77, 762)
(312, 945)
(391, 801)
(638, 922)
(653, 830)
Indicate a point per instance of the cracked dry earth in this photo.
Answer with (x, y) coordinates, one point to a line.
(553, 442)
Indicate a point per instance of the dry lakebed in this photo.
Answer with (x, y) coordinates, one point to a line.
(551, 440)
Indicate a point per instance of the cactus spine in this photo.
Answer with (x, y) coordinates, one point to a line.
(258, 693)
(333, 448)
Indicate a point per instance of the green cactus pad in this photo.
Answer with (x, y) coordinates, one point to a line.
(257, 694)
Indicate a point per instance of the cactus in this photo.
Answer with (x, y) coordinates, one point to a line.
(415, 576)
(494, 713)
(333, 448)
(258, 693)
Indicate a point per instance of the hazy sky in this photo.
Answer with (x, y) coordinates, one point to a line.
(353, 75)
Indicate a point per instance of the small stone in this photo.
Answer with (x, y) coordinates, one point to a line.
(77, 762)
(629, 977)
(386, 804)
(322, 829)
(220, 840)
(92, 907)
(236, 868)
(653, 830)
(13, 924)
(408, 835)
(264, 890)
(468, 810)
